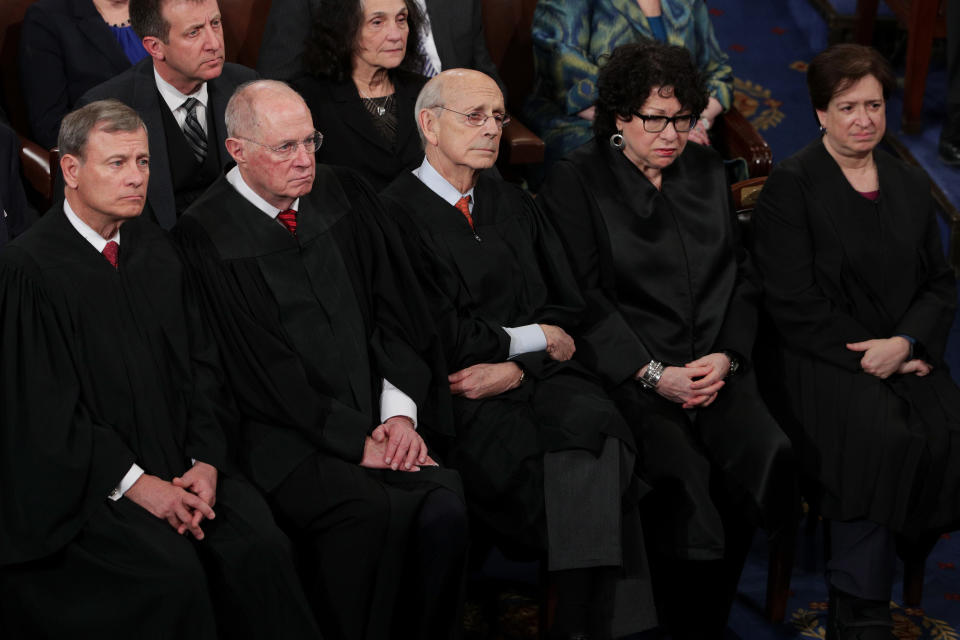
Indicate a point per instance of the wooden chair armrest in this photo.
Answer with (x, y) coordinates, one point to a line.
(736, 138)
(519, 145)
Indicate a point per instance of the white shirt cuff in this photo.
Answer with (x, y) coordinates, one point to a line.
(394, 402)
(526, 339)
(128, 481)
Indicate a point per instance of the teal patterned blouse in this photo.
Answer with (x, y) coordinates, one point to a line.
(571, 37)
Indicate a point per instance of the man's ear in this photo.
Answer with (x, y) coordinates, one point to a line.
(154, 47)
(427, 120)
(70, 166)
(235, 149)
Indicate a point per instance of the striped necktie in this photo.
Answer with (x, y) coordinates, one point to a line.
(288, 219)
(463, 204)
(196, 138)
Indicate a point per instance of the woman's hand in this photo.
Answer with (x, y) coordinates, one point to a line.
(588, 113)
(916, 366)
(882, 357)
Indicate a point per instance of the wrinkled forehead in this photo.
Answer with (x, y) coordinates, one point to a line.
(474, 93)
(283, 117)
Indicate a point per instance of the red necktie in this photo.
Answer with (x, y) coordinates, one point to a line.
(463, 204)
(112, 253)
(289, 219)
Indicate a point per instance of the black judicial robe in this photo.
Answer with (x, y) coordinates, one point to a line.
(665, 278)
(101, 368)
(511, 271)
(840, 268)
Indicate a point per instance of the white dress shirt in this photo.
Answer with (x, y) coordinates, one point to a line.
(98, 242)
(526, 339)
(174, 100)
(393, 401)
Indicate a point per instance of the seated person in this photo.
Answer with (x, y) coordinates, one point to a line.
(546, 458)
(857, 285)
(451, 36)
(181, 92)
(121, 516)
(67, 47)
(334, 371)
(670, 323)
(571, 38)
(15, 214)
(362, 78)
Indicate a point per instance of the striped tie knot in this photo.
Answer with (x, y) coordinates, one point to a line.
(288, 219)
(463, 204)
(193, 132)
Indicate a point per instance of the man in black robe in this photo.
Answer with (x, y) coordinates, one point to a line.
(546, 458)
(328, 354)
(111, 448)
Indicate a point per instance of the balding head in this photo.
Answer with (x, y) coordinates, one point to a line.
(451, 143)
(271, 137)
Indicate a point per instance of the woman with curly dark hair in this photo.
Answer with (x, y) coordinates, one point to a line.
(670, 325)
(361, 83)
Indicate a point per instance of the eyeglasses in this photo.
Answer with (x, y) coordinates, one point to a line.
(656, 124)
(477, 119)
(289, 148)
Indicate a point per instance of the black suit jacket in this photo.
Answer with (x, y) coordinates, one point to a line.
(138, 88)
(15, 214)
(457, 28)
(350, 137)
(66, 49)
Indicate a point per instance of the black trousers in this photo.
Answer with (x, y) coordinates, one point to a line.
(346, 523)
(128, 574)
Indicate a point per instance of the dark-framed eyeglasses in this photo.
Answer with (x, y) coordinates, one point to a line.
(656, 124)
(477, 119)
(288, 148)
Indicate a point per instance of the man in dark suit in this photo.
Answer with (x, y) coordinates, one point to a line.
(454, 37)
(15, 214)
(181, 93)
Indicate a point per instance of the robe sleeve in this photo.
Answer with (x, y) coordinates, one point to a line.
(930, 315)
(606, 342)
(561, 42)
(806, 318)
(57, 462)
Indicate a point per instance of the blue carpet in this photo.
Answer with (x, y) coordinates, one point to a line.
(770, 43)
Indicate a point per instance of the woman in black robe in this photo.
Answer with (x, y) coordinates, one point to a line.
(361, 82)
(857, 285)
(669, 325)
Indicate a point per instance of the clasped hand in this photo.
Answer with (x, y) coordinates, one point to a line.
(560, 345)
(485, 380)
(396, 445)
(697, 383)
(183, 502)
(885, 356)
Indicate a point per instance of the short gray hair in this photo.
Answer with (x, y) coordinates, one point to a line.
(241, 116)
(431, 97)
(108, 116)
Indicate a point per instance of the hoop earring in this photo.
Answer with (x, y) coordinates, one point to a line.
(616, 140)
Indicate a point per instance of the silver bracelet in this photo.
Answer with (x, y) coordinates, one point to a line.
(651, 377)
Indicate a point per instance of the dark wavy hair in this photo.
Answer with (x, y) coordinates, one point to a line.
(840, 66)
(333, 38)
(633, 70)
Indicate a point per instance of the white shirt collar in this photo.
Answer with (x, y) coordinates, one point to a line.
(234, 178)
(439, 185)
(172, 96)
(84, 229)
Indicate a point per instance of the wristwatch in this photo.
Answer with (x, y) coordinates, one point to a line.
(651, 377)
(734, 362)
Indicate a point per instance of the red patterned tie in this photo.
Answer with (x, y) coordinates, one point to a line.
(463, 204)
(289, 219)
(112, 253)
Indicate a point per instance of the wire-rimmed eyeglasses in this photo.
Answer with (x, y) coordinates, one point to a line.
(477, 119)
(288, 148)
(656, 124)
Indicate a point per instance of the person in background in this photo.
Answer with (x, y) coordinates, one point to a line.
(571, 40)
(15, 213)
(669, 325)
(67, 47)
(949, 146)
(122, 517)
(847, 240)
(181, 92)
